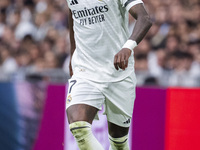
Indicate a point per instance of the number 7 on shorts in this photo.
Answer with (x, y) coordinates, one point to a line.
(73, 82)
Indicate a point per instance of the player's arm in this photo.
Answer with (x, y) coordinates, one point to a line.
(72, 41)
(142, 26)
(143, 22)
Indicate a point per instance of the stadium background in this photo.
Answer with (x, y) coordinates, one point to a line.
(34, 58)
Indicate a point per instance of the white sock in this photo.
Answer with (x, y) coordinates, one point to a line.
(119, 143)
(81, 130)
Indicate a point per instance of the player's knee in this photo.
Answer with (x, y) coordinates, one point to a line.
(119, 143)
(81, 112)
(80, 130)
(71, 118)
(117, 131)
(74, 116)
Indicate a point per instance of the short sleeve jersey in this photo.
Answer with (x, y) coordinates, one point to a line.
(100, 30)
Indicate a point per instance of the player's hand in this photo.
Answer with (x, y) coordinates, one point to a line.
(121, 59)
(70, 68)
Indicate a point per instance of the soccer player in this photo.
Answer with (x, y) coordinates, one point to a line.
(102, 67)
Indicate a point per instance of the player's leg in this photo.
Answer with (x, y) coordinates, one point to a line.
(80, 117)
(81, 112)
(118, 137)
(118, 127)
(83, 102)
(119, 104)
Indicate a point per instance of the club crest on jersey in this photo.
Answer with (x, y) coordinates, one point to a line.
(74, 2)
(69, 99)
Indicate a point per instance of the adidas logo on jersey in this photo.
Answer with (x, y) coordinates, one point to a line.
(74, 2)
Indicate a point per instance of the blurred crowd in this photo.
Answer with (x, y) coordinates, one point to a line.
(34, 41)
(170, 53)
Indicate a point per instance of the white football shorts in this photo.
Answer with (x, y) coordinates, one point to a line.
(117, 97)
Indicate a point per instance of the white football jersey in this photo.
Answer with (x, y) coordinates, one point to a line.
(100, 31)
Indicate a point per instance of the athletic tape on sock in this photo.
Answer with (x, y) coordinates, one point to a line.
(119, 140)
(119, 143)
(79, 125)
(81, 130)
